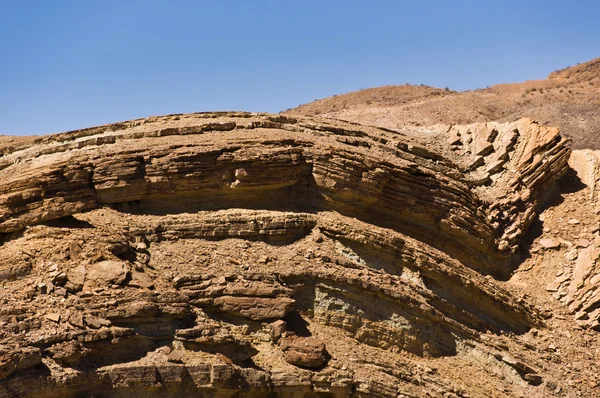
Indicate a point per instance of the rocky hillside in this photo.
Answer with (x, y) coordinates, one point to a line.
(568, 99)
(254, 255)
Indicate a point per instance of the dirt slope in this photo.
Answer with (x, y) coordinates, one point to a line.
(568, 99)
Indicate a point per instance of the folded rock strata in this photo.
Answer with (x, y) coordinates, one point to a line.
(153, 257)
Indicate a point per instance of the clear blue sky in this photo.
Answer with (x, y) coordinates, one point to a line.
(72, 64)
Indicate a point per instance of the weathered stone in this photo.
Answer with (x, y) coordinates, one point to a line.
(141, 280)
(59, 279)
(278, 328)
(75, 278)
(93, 322)
(106, 272)
(550, 243)
(42, 288)
(256, 308)
(306, 352)
(76, 319)
(53, 316)
(175, 357)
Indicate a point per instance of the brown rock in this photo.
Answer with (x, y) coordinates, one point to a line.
(42, 288)
(74, 250)
(278, 328)
(550, 243)
(75, 279)
(76, 319)
(141, 280)
(175, 357)
(306, 352)
(53, 316)
(106, 273)
(59, 279)
(69, 353)
(256, 308)
(93, 322)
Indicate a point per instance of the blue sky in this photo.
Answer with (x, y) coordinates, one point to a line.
(73, 64)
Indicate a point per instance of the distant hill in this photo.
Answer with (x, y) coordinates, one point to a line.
(568, 98)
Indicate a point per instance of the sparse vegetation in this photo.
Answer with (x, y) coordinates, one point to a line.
(568, 99)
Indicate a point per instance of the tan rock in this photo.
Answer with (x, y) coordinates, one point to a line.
(550, 243)
(106, 272)
(278, 328)
(53, 316)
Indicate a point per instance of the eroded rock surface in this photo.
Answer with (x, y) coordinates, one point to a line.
(237, 254)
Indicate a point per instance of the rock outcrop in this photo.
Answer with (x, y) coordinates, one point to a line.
(242, 254)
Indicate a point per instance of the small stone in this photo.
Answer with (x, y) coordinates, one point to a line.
(552, 287)
(550, 243)
(551, 347)
(76, 278)
(178, 281)
(572, 255)
(53, 316)
(61, 291)
(107, 272)
(93, 322)
(76, 319)
(42, 288)
(582, 243)
(175, 357)
(278, 328)
(143, 258)
(141, 280)
(573, 221)
(141, 247)
(59, 279)
(306, 352)
(74, 250)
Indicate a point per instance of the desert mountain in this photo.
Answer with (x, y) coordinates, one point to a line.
(568, 99)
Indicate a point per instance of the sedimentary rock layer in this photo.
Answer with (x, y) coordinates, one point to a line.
(234, 253)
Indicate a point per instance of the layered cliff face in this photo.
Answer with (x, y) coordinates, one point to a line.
(237, 254)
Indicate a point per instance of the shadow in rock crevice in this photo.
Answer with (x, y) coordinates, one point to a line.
(568, 184)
